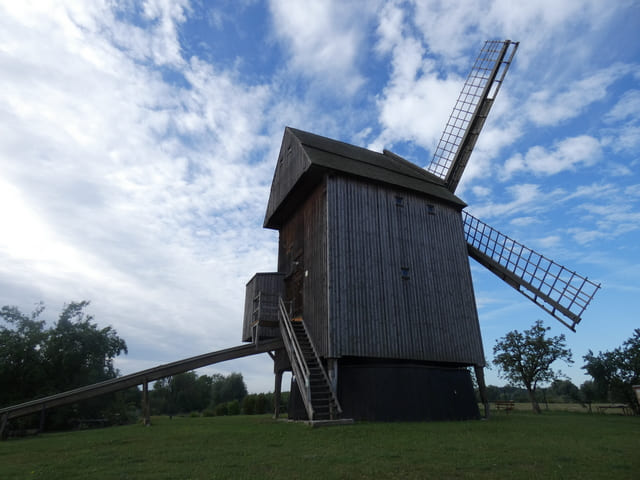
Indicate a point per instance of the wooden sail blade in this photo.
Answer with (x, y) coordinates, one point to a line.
(560, 292)
(470, 111)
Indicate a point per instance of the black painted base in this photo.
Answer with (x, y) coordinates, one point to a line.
(398, 391)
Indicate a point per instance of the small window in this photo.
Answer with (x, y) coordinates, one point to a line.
(431, 209)
(405, 273)
(399, 201)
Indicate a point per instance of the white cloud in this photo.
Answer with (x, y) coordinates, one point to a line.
(627, 139)
(479, 191)
(524, 221)
(450, 27)
(549, 107)
(548, 241)
(114, 175)
(415, 104)
(525, 197)
(595, 190)
(627, 108)
(324, 40)
(567, 154)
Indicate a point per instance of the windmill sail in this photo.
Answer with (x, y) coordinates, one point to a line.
(471, 110)
(561, 292)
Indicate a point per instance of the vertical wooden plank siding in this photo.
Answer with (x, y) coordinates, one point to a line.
(270, 283)
(315, 282)
(304, 233)
(399, 277)
(292, 162)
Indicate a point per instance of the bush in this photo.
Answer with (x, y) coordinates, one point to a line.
(233, 407)
(261, 403)
(249, 405)
(221, 410)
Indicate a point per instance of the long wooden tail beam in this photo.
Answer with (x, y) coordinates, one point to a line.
(134, 379)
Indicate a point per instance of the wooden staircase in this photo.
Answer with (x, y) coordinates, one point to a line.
(322, 401)
(319, 398)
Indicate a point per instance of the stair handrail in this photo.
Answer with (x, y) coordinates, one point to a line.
(324, 373)
(298, 364)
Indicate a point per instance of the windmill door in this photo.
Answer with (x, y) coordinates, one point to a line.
(294, 286)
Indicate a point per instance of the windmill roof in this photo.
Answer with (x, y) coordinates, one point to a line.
(305, 158)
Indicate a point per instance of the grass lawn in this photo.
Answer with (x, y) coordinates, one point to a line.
(515, 445)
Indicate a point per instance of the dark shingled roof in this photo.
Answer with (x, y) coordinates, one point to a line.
(305, 157)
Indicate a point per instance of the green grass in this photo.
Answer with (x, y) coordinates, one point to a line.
(515, 445)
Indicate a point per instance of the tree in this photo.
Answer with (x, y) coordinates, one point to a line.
(562, 390)
(526, 358)
(22, 371)
(36, 361)
(227, 389)
(615, 372)
(79, 353)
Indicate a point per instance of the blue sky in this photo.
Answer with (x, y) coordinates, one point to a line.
(139, 141)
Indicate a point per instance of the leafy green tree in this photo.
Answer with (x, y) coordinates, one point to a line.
(22, 366)
(226, 389)
(615, 372)
(36, 361)
(564, 391)
(525, 359)
(77, 352)
(589, 393)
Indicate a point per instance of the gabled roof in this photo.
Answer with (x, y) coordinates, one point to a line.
(304, 158)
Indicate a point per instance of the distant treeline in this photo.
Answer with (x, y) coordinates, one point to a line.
(560, 391)
(217, 395)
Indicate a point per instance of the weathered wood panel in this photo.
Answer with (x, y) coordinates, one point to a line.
(269, 283)
(302, 257)
(292, 163)
(399, 279)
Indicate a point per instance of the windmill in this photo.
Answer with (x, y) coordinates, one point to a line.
(373, 296)
(372, 306)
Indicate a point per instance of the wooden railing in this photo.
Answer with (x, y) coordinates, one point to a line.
(298, 363)
(334, 397)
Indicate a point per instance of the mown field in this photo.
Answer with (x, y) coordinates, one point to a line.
(516, 445)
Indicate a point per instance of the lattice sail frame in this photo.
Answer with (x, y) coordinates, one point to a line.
(470, 111)
(559, 291)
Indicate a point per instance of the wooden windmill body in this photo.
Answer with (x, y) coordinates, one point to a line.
(373, 294)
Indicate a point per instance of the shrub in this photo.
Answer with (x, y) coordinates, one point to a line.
(233, 407)
(221, 410)
(249, 405)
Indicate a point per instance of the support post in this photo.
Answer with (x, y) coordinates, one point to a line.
(146, 410)
(482, 387)
(3, 426)
(42, 419)
(276, 395)
(332, 371)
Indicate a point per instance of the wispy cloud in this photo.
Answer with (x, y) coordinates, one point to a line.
(526, 197)
(627, 108)
(549, 107)
(565, 155)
